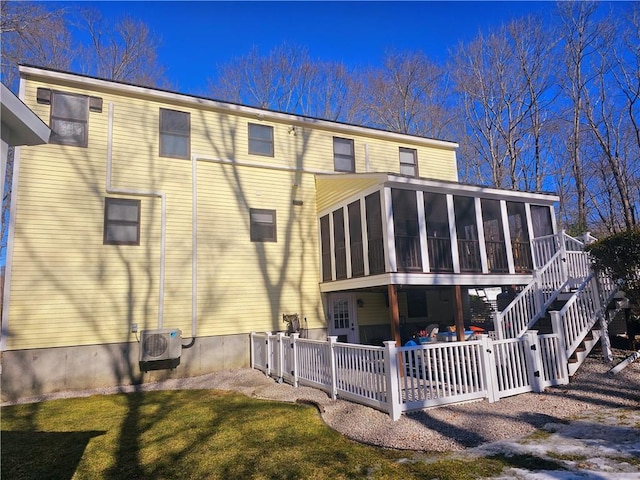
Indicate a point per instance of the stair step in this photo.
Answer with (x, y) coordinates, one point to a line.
(564, 296)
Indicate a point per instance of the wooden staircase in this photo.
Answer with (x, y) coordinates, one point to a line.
(565, 298)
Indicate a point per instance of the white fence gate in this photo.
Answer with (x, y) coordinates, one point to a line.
(402, 379)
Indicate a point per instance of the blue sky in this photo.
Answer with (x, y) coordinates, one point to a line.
(197, 36)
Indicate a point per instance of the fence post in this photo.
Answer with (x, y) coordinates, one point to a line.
(497, 324)
(332, 362)
(534, 360)
(391, 373)
(294, 357)
(267, 353)
(489, 367)
(556, 326)
(252, 352)
(280, 371)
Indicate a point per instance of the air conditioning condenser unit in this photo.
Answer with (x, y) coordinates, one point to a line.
(160, 344)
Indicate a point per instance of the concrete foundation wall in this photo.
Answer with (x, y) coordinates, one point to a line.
(32, 372)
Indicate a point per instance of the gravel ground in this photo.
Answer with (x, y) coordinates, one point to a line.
(450, 428)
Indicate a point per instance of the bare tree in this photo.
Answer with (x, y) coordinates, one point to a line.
(579, 43)
(276, 81)
(406, 95)
(612, 113)
(31, 33)
(333, 93)
(533, 49)
(493, 96)
(286, 79)
(125, 51)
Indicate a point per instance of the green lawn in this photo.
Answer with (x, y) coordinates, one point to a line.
(195, 434)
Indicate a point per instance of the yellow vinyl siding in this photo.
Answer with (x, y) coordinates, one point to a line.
(67, 288)
(437, 164)
(257, 281)
(374, 310)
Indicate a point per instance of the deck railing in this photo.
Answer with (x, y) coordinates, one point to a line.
(562, 266)
(408, 256)
(440, 259)
(402, 379)
(357, 259)
(547, 246)
(469, 254)
(521, 256)
(497, 256)
(341, 262)
(376, 255)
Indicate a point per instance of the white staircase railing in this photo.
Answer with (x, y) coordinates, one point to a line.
(560, 264)
(532, 301)
(581, 313)
(546, 247)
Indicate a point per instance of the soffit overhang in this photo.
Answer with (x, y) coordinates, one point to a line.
(336, 189)
(20, 126)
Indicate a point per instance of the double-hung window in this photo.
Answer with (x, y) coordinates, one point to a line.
(343, 155)
(175, 133)
(121, 221)
(408, 161)
(263, 225)
(261, 140)
(69, 119)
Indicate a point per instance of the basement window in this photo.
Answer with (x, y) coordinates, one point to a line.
(121, 221)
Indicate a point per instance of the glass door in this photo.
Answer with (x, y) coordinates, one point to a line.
(342, 317)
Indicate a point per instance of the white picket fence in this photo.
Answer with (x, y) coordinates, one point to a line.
(403, 379)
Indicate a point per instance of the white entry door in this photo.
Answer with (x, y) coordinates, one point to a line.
(342, 317)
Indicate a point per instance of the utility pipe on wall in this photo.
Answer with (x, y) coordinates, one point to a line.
(140, 193)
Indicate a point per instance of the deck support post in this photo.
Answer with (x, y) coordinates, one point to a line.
(605, 341)
(394, 314)
(458, 312)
